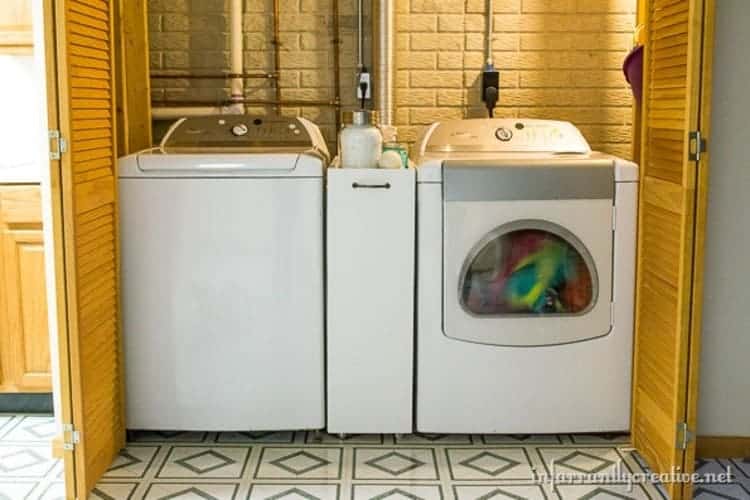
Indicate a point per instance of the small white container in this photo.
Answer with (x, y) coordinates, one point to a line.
(361, 142)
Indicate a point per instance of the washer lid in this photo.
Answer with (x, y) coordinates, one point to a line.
(234, 146)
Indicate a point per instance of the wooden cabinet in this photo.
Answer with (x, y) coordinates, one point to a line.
(15, 27)
(24, 337)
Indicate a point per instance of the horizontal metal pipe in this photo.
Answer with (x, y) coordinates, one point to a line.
(174, 113)
(212, 76)
(251, 102)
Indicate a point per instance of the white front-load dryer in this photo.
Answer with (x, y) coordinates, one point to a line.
(222, 276)
(525, 280)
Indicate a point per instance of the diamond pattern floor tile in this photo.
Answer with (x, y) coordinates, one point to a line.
(202, 462)
(602, 492)
(504, 492)
(397, 492)
(25, 462)
(292, 491)
(188, 491)
(300, 463)
(502, 464)
(113, 491)
(582, 460)
(30, 430)
(395, 463)
(132, 462)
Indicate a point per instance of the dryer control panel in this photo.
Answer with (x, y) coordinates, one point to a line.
(504, 135)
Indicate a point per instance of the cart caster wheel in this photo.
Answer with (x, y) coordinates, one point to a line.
(399, 437)
(317, 436)
(342, 436)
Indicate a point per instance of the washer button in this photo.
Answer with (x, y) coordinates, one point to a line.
(240, 129)
(504, 134)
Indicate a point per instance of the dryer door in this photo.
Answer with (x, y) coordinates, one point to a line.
(527, 254)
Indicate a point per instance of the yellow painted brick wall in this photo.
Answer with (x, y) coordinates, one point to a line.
(558, 58)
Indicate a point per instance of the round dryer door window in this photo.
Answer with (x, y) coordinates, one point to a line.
(529, 268)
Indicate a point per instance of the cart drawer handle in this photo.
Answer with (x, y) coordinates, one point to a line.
(357, 185)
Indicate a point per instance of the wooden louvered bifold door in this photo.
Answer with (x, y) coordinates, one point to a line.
(88, 176)
(667, 234)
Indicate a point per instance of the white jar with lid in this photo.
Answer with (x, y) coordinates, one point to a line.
(360, 141)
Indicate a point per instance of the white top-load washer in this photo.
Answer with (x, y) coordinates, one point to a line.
(525, 280)
(222, 276)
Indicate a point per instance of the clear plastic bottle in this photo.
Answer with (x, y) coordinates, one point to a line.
(361, 142)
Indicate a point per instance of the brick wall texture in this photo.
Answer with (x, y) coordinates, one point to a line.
(559, 59)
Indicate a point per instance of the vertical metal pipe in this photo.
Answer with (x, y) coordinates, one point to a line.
(276, 49)
(360, 35)
(386, 60)
(490, 32)
(236, 46)
(336, 41)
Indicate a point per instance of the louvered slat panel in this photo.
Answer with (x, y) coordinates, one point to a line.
(90, 52)
(85, 135)
(90, 83)
(78, 41)
(88, 31)
(102, 5)
(664, 256)
(88, 145)
(85, 156)
(93, 177)
(88, 11)
(82, 20)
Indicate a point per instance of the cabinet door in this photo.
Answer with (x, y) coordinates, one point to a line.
(672, 208)
(370, 272)
(25, 338)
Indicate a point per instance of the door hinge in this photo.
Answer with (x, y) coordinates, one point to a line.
(684, 436)
(71, 437)
(697, 146)
(58, 145)
(614, 218)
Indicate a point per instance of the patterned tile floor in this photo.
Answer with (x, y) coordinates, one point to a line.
(306, 466)
(27, 469)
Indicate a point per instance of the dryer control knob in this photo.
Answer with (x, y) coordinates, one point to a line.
(504, 134)
(240, 129)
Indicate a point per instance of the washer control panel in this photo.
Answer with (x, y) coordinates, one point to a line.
(501, 135)
(238, 132)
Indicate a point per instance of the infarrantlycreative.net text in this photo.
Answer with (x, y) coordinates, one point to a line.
(618, 474)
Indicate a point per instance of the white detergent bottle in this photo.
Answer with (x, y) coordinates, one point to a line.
(360, 141)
